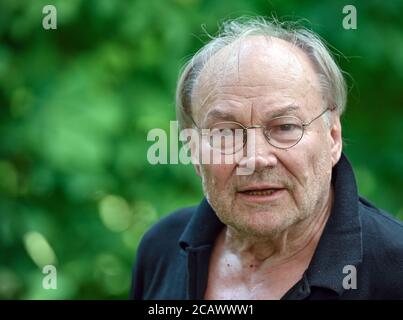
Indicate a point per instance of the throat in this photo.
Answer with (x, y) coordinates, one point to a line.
(297, 243)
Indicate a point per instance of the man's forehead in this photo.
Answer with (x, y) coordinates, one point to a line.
(254, 60)
(253, 65)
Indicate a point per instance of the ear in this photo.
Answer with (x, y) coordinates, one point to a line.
(335, 140)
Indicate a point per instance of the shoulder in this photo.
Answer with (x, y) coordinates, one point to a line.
(165, 234)
(379, 226)
(382, 237)
(158, 257)
(171, 225)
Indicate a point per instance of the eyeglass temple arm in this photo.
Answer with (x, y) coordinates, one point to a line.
(331, 108)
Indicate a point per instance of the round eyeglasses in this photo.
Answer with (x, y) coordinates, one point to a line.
(282, 132)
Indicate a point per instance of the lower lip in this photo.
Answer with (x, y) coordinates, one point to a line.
(264, 198)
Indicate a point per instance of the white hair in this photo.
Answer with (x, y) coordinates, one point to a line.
(333, 84)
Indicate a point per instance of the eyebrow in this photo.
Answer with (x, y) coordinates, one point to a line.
(217, 114)
(282, 111)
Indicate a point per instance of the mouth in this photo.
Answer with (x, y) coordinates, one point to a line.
(265, 192)
(261, 193)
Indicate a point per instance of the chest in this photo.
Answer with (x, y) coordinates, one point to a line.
(230, 279)
(251, 286)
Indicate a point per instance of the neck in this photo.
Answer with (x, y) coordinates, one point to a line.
(298, 241)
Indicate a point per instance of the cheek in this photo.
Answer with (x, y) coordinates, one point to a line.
(318, 168)
(295, 163)
(217, 169)
(217, 177)
(308, 163)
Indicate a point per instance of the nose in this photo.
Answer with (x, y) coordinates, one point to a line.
(259, 152)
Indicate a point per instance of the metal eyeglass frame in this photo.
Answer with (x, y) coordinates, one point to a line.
(266, 131)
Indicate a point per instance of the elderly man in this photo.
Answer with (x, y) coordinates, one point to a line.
(294, 227)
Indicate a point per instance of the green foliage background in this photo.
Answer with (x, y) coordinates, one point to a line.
(76, 104)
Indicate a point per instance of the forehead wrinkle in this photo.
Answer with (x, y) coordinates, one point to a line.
(239, 60)
(214, 98)
(216, 102)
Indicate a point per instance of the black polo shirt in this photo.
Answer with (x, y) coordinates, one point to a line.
(173, 256)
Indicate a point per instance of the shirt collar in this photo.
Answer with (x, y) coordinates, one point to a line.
(339, 245)
(341, 241)
(202, 228)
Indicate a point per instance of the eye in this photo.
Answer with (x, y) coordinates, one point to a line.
(285, 130)
(227, 132)
(287, 127)
(222, 132)
(284, 124)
